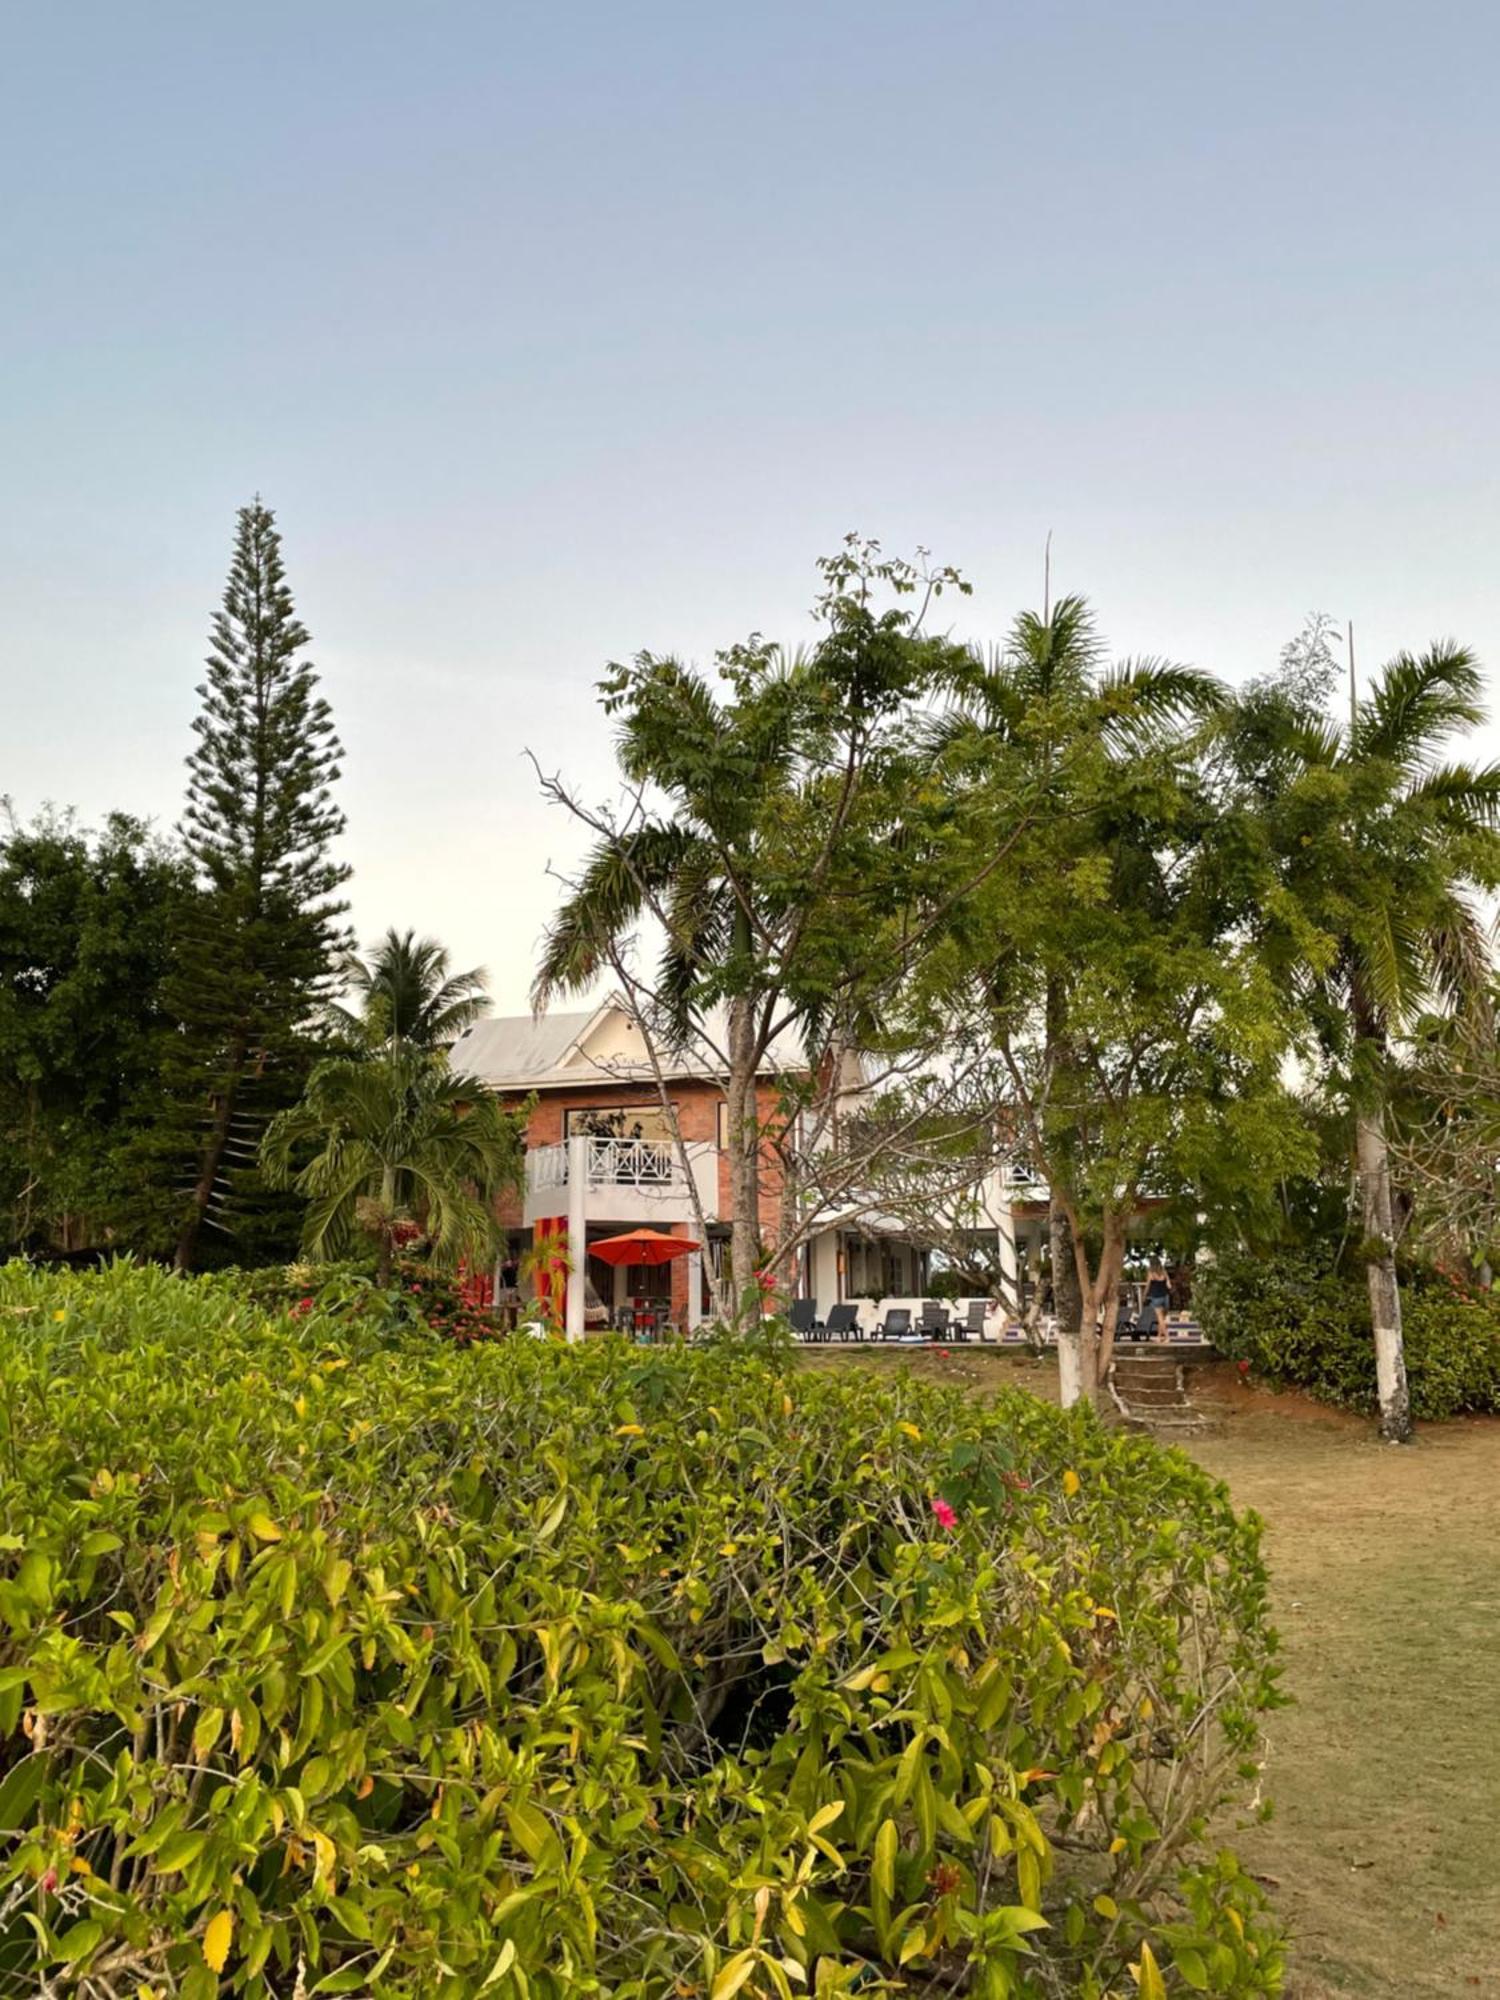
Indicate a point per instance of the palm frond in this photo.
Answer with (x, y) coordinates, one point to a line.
(1464, 797)
(1415, 702)
(621, 880)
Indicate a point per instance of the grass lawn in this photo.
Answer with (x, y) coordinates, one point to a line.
(1384, 1850)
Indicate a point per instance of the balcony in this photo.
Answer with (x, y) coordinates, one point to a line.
(625, 1181)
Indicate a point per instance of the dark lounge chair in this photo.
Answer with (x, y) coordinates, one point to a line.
(971, 1326)
(936, 1320)
(803, 1319)
(843, 1322)
(897, 1323)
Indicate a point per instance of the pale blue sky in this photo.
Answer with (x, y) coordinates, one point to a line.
(559, 331)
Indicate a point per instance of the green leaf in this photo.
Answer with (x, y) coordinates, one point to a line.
(19, 1790)
(1191, 1967)
(77, 1942)
(180, 1851)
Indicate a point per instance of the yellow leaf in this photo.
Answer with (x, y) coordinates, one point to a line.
(1070, 1482)
(883, 1862)
(1117, 1845)
(786, 1406)
(733, 1975)
(911, 1431)
(630, 1430)
(1107, 1907)
(263, 1528)
(217, 1940)
(61, 1313)
(729, 1548)
(1148, 1976)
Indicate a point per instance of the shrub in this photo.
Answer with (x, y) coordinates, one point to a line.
(337, 1659)
(420, 1294)
(1299, 1325)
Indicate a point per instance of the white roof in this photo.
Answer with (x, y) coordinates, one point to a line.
(523, 1052)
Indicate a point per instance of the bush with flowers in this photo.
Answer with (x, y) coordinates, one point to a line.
(338, 1661)
(454, 1304)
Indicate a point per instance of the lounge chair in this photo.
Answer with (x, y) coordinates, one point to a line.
(971, 1326)
(842, 1322)
(897, 1323)
(936, 1321)
(803, 1319)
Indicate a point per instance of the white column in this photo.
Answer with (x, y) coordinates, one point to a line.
(694, 1314)
(578, 1169)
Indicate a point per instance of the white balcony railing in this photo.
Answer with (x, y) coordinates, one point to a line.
(642, 1163)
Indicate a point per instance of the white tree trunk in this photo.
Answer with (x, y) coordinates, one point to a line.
(1374, 1165)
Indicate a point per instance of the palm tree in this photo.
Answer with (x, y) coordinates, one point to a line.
(405, 993)
(394, 1139)
(1384, 849)
(1049, 698)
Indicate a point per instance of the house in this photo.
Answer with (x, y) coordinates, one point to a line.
(602, 1159)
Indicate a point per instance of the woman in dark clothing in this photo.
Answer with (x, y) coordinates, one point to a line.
(1158, 1298)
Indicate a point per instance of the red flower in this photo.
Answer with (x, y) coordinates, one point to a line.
(944, 1515)
(946, 1353)
(48, 1882)
(1244, 1368)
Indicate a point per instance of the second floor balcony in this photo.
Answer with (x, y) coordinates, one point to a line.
(625, 1180)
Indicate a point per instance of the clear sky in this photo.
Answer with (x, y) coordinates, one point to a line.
(558, 331)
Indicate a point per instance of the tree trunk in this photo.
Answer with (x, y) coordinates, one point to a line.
(1105, 1298)
(744, 1154)
(1374, 1165)
(218, 1139)
(1067, 1304)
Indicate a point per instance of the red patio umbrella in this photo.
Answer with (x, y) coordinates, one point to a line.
(642, 1246)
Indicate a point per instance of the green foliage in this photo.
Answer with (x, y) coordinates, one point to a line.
(337, 1662)
(86, 922)
(1296, 1322)
(1140, 1040)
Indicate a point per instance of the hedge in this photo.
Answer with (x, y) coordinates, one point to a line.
(340, 1659)
(1299, 1325)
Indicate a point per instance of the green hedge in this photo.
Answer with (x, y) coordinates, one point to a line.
(339, 1659)
(1298, 1325)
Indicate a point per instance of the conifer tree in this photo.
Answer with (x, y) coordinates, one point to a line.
(259, 962)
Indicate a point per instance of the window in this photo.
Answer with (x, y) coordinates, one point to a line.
(619, 1121)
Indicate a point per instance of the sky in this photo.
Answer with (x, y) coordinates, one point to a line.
(557, 332)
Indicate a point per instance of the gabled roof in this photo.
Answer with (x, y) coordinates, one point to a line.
(518, 1052)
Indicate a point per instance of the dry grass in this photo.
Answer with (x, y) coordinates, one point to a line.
(1383, 1853)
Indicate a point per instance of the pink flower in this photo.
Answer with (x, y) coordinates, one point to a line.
(1244, 1368)
(944, 1515)
(48, 1882)
(945, 1353)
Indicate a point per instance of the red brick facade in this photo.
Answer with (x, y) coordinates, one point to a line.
(697, 1104)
